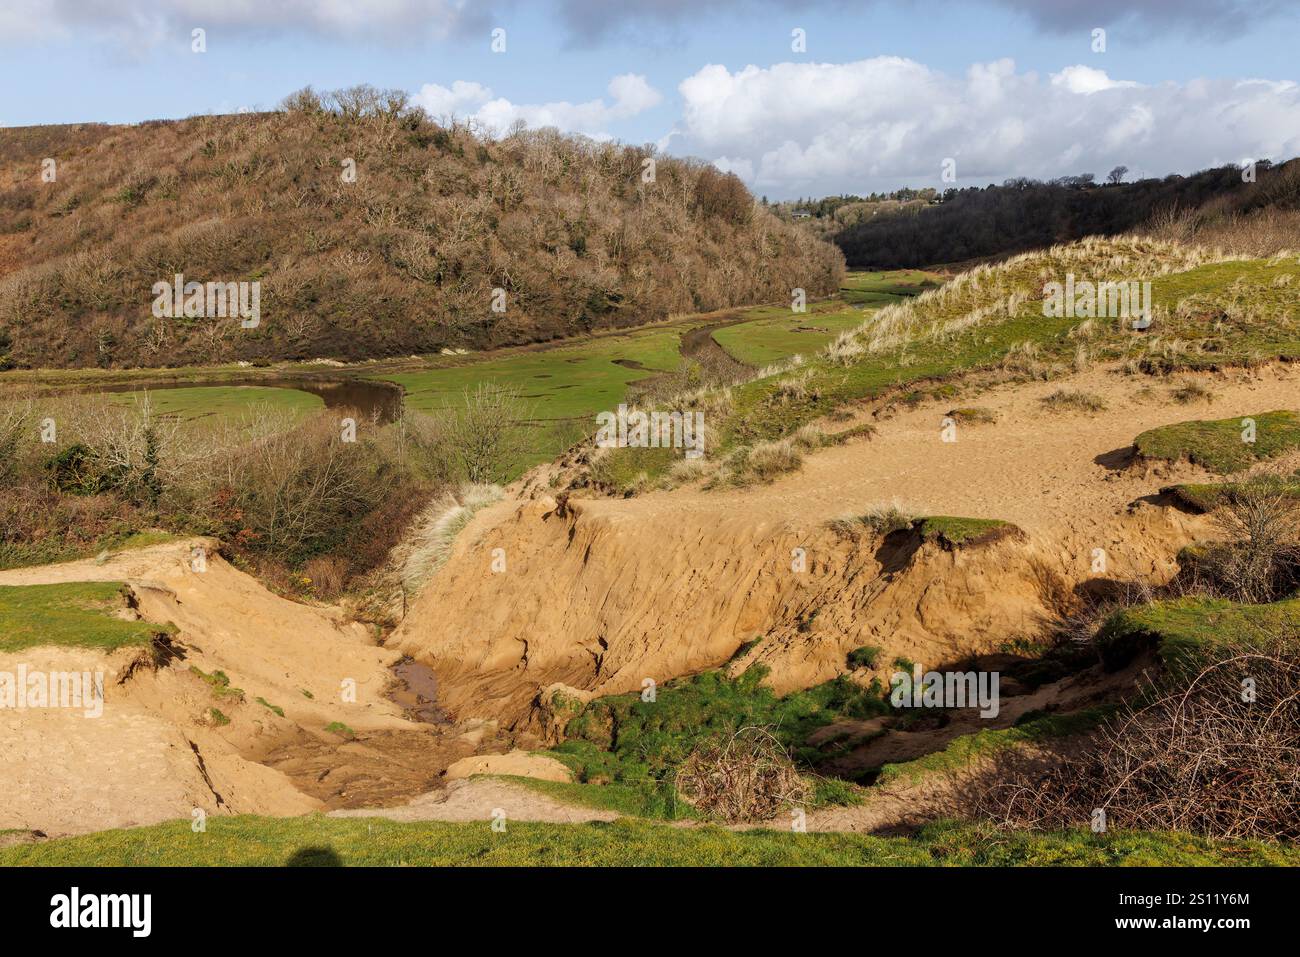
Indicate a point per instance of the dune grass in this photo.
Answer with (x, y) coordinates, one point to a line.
(1211, 312)
(70, 614)
(314, 840)
(1207, 496)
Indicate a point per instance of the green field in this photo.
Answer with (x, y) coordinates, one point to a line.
(882, 288)
(561, 383)
(204, 404)
(772, 333)
(248, 840)
(72, 614)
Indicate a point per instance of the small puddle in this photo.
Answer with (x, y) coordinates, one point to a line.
(417, 692)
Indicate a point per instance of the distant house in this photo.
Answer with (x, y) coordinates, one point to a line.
(801, 215)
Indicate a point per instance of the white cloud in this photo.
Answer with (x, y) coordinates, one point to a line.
(1085, 79)
(816, 128)
(629, 95)
(460, 99)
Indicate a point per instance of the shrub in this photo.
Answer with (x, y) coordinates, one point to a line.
(1260, 561)
(864, 657)
(1196, 755)
(747, 776)
(483, 434)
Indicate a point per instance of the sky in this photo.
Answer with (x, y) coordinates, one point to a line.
(797, 97)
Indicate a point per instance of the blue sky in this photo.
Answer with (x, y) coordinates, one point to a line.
(883, 94)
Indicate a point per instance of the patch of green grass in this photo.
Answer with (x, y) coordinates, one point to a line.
(1207, 496)
(963, 751)
(883, 287)
(271, 707)
(638, 744)
(765, 338)
(218, 717)
(229, 403)
(219, 682)
(564, 383)
(625, 469)
(1220, 444)
(253, 841)
(1184, 631)
(338, 727)
(836, 792)
(864, 657)
(70, 614)
(953, 532)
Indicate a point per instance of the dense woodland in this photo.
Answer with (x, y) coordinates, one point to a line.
(403, 259)
(1025, 214)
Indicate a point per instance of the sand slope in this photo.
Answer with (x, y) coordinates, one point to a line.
(602, 594)
(155, 753)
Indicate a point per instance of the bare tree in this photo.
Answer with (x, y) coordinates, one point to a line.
(485, 433)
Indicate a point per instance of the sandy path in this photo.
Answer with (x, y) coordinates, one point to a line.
(482, 799)
(1034, 466)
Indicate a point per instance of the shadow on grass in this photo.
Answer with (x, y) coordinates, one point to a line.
(314, 857)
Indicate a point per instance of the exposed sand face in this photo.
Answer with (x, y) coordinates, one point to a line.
(137, 762)
(605, 594)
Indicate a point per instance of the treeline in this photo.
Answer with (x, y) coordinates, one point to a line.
(373, 231)
(1026, 214)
